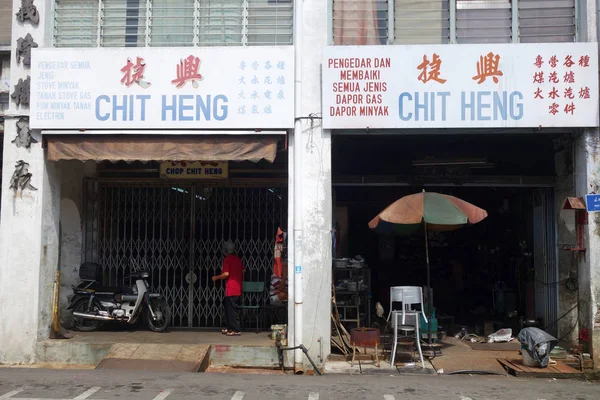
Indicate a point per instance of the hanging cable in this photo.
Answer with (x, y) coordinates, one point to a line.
(561, 317)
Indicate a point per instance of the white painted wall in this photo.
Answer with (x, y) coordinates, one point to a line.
(28, 229)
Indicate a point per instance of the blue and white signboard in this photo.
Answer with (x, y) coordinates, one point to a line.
(592, 202)
(163, 88)
(460, 86)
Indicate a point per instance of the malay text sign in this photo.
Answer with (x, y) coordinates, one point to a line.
(460, 86)
(194, 170)
(592, 202)
(163, 88)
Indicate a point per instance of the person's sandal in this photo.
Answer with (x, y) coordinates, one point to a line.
(224, 331)
(233, 333)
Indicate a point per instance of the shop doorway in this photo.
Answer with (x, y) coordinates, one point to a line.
(491, 275)
(498, 268)
(178, 229)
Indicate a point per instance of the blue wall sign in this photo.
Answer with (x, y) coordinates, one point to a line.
(592, 202)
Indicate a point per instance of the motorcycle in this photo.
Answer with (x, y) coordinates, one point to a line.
(93, 304)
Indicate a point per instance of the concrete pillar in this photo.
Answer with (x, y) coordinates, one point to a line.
(316, 192)
(588, 181)
(568, 260)
(587, 173)
(28, 222)
(71, 236)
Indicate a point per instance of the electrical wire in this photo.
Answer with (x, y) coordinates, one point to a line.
(570, 330)
(564, 315)
(552, 283)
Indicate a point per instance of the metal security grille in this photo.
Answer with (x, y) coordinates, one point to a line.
(178, 232)
(368, 22)
(165, 23)
(545, 258)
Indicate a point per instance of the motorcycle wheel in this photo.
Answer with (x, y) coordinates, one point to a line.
(163, 313)
(86, 325)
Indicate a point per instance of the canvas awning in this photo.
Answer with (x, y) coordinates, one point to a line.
(161, 147)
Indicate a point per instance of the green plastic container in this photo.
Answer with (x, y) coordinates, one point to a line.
(434, 326)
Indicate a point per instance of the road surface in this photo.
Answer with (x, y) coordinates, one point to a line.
(29, 384)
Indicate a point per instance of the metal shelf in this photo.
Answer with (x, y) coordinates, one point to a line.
(351, 313)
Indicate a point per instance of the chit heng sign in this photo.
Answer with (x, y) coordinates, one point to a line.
(194, 170)
(163, 88)
(460, 86)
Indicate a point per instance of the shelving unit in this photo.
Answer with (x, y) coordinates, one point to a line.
(352, 304)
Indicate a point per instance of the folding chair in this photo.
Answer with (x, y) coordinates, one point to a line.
(252, 287)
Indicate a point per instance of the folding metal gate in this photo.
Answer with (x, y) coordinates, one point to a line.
(545, 258)
(178, 232)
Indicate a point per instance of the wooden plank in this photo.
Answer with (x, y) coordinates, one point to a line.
(564, 368)
(560, 370)
(509, 364)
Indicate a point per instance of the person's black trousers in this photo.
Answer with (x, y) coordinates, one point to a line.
(232, 321)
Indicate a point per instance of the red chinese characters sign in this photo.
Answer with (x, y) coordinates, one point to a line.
(187, 70)
(561, 93)
(134, 73)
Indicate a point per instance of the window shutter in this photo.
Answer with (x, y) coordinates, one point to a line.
(6, 18)
(75, 23)
(172, 23)
(221, 22)
(123, 23)
(270, 22)
(543, 21)
(360, 22)
(483, 21)
(422, 21)
(166, 23)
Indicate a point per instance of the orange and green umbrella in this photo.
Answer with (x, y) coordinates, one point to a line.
(439, 212)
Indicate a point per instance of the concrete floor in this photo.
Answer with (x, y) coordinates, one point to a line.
(457, 355)
(173, 337)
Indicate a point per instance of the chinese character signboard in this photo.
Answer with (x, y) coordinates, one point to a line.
(163, 88)
(194, 170)
(460, 86)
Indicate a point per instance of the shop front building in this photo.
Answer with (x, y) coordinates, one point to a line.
(129, 102)
(493, 102)
(159, 132)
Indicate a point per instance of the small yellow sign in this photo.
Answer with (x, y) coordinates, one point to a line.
(194, 170)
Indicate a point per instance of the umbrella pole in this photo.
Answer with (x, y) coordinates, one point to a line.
(428, 305)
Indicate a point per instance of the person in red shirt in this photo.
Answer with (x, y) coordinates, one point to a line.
(233, 273)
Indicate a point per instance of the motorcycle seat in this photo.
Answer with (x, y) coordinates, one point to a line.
(108, 289)
(98, 287)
